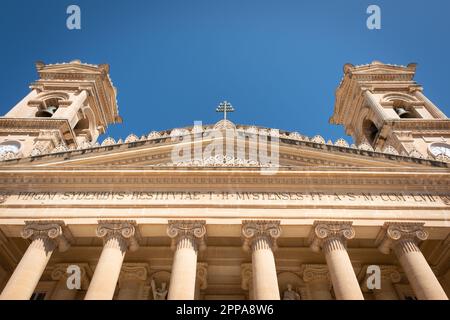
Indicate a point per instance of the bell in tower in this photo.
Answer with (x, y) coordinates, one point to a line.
(381, 105)
(70, 105)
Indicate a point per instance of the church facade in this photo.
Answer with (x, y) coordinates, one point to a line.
(224, 211)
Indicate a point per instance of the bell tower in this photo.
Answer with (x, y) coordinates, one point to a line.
(381, 106)
(68, 107)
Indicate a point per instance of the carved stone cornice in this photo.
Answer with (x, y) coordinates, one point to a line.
(202, 275)
(133, 272)
(125, 231)
(246, 276)
(52, 232)
(195, 230)
(253, 230)
(316, 272)
(394, 232)
(325, 230)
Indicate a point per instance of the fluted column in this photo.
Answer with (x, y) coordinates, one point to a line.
(118, 237)
(188, 237)
(62, 291)
(331, 237)
(201, 281)
(131, 281)
(247, 279)
(317, 277)
(402, 238)
(260, 238)
(45, 238)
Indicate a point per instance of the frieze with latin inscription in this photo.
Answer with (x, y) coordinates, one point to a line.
(158, 197)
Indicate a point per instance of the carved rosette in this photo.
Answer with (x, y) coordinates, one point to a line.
(253, 231)
(202, 275)
(316, 272)
(330, 230)
(246, 276)
(194, 230)
(51, 232)
(394, 233)
(124, 231)
(133, 272)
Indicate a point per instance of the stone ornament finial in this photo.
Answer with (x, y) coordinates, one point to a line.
(202, 275)
(191, 229)
(124, 230)
(269, 230)
(51, 232)
(393, 232)
(324, 230)
(316, 272)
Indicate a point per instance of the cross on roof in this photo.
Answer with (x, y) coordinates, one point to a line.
(225, 107)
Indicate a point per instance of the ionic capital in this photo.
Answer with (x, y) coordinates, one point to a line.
(133, 271)
(326, 230)
(315, 272)
(124, 231)
(52, 232)
(393, 233)
(269, 230)
(195, 230)
(246, 276)
(202, 275)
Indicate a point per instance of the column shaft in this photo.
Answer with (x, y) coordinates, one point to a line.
(184, 267)
(430, 106)
(420, 276)
(345, 284)
(26, 276)
(104, 280)
(375, 106)
(265, 282)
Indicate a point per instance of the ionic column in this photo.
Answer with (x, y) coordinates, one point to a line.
(71, 111)
(375, 105)
(402, 238)
(331, 237)
(45, 237)
(317, 277)
(389, 276)
(188, 237)
(247, 279)
(60, 274)
(430, 106)
(260, 237)
(201, 281)
(131, 281)
(118, 237)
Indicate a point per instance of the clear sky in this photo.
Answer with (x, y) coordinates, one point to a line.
(278, 62)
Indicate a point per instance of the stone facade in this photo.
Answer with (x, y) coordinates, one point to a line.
(138, 225)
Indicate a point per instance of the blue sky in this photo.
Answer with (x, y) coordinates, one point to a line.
(278, 62)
